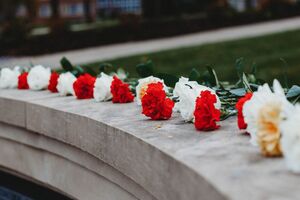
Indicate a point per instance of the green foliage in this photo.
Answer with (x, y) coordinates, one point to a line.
(76, 70)
(145, 69)
(265, 51)
(228, 93)
(294, 91)
(66, 64)
(213, 77)
(285, 75)
(169, 79)
(240, 92)
(194, 75)
(105, 67)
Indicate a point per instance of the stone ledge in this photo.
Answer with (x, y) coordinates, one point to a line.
(37, 162)
(169, 159)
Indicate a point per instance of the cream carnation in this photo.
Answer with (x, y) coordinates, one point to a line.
(142, 86)
(187, 92)
(263, 114)
(9, 77)
(38, 77)
(290, 141)
(102, 88)
(65, 84)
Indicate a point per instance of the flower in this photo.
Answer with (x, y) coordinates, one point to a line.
(9, 77)
(263, 114)
(206, 114)
(84, 86)
(120, 91)
(290, 141)
(155, 104)
(187, 92)
(53, 82)
(22, 81)
(38, 77)
(65, 84)
(102, 88)
(143, 85)
(239, 106)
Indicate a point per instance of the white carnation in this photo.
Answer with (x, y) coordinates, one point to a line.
(262, 99)
(102, 88)
(65, 84)
(38, 77)
(9, 77)
(290, 141)
(142, 86)
(187, 92)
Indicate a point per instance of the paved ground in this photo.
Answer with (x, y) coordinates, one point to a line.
(132, 48)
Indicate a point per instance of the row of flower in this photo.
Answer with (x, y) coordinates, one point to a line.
(266, 114)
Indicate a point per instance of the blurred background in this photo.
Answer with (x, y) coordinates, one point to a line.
(39, 27)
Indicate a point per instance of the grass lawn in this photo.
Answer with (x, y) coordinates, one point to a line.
(265, 51)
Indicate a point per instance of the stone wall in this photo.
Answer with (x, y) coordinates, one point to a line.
(89, 150)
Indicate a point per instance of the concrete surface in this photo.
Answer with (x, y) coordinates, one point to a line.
(94, 54)
(63, 168)
(169, 160)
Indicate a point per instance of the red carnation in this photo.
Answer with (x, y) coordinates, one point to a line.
(84, 86)
(239, 106)
(120, 91)
(206, 115)
(22, 81)
(53, 82)
(155, 103)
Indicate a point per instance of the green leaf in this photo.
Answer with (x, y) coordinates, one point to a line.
(293, 92)
(170, 80)
(254, 69)
(246, 83)
(145, 69)
(296, 100)
(90, 71)
(66, 64)
(225, 114)
(254, 87)
(239, 66)
(285, 73)
(194, 75)
(105, 67)
(79, 69)
(31, 64)
(252, 78)
(240, 92)
(213, 77)
(75, 72)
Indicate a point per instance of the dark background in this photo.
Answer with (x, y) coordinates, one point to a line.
(160, 18)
